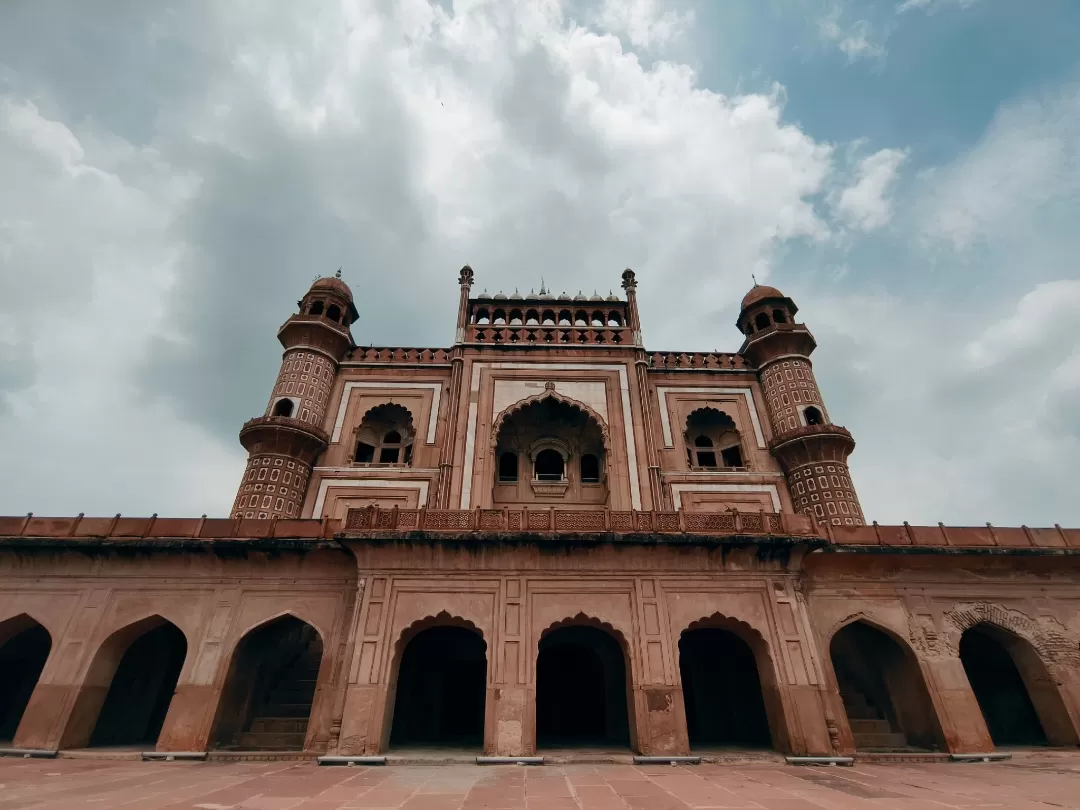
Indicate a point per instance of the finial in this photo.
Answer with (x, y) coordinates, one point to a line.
(755, 280)
(543, 291)
(338, 273)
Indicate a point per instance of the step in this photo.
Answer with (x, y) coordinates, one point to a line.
(284, 710)
(270, 741)
(287, 725)
(867, 726)
(889, 741)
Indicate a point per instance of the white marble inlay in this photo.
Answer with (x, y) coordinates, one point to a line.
(665, 416)
(628, 425)
(433, 418)
(678, 489)
(327, 483)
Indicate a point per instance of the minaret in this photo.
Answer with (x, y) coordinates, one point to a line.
(812, 450)
(284, 443)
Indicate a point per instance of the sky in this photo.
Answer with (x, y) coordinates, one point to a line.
(173, 175)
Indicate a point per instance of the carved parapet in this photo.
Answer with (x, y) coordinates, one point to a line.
(380, 355)
(286, 436)
(696, 361)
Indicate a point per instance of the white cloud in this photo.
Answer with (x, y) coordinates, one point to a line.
(865, 204)
(645, 23)
(1026, 161)
(856, 41)
(932, 6)
(1044, 317)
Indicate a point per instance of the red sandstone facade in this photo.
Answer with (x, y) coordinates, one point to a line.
(543, 537)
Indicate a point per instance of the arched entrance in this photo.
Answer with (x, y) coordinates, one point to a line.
(128, 687)
(582, 694)
(721, 690)
(885, 697)
(1018, 698)
(24, 648)
(441, 686)
(270, 688)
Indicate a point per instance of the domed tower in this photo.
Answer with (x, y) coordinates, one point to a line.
(284, 442)
(812, 451)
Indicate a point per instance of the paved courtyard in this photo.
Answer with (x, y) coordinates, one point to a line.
(1029, 783)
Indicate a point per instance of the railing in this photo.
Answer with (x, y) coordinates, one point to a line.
(290, 422)
(508, 335)
(374, 519)
(320, 319)
(379, 354)
(680, 361)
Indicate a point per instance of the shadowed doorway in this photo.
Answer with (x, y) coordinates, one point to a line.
(441, 685)
(22, 657)
(721, 691)
(270, 689)
(885, 697)
(141, 690)
(999, 688)
(581, 690)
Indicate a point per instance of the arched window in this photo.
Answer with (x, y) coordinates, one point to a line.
(613, 319)
(597, 319)
(283, 407)
(334, 312)
(549, 465)
(532, 318)
(515, 317)
(565, 318)
(316, 308)
(713, 441)
(549, 318)
(508, 467)
(499, 317)
(762, 320)
(580, 318)
(385, 436)
(483, 316)
(813, 416)
(779, 316)
(590, 469)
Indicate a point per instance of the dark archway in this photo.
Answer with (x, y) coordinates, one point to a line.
(999, 687)
(270, 688)
(141, 689)
(884, 694)
(441, 688)
(581, 689)
(25, 648)
(722, 690)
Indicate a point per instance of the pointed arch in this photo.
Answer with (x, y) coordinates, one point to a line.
(881, 685)
(128, 687)
(25, 645)
(437, 684)
(270, 685)
(584, 684)
(707, 634)
(549, 393)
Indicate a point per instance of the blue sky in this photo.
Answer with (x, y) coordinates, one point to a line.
(175, 174)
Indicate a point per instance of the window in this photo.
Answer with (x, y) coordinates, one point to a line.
(316, 308)
(762, 321)
(483, 317)
(813, 416)
(283, 407)
(779, 316)
(334, 313)
(508, 467)
(590, 469)
(712, 441)
(385, 436)
(549, 465)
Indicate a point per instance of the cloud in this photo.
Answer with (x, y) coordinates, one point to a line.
(856, 41)
(865, 203)
(179, 223)
(932, 6)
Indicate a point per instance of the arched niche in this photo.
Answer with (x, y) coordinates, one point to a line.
(386, 436)
(126, 692)
(25, 645)
(438, 686)
(270, 687)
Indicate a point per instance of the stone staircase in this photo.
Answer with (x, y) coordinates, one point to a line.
(870, 729)
(280, 719)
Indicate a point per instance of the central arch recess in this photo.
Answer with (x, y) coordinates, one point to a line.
(24, 649)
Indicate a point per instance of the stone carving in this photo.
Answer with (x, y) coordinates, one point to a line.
(1054, 643)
